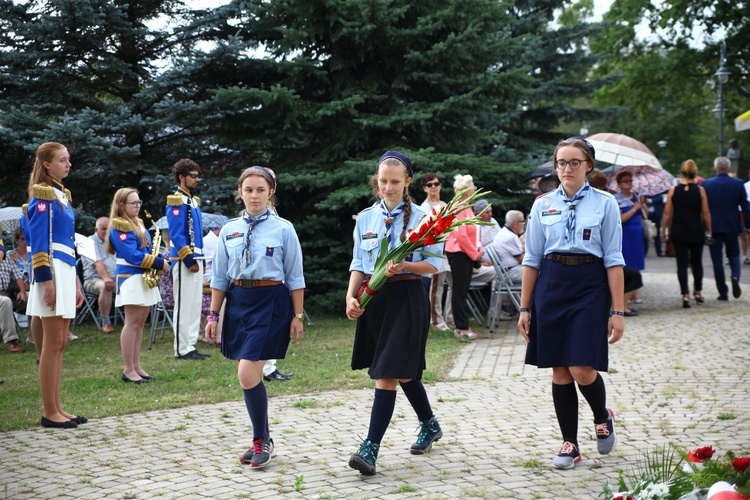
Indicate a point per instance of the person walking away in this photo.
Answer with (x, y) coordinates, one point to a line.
(687, 222)
(727, 199)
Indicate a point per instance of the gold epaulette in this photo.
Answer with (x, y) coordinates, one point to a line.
(122, 225)
(197, 201)
(70, 196)
(174, 200)
(43, 192)
(25, 208)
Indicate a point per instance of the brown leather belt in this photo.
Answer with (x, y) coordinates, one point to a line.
(572, 259)
(256, 283)
(404, 277)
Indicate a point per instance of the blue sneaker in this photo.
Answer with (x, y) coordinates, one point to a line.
(605, 434)
(429, 433)
(364, 459)
(568, 457)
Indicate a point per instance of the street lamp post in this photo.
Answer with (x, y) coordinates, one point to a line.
(722, 75)
(662, 145)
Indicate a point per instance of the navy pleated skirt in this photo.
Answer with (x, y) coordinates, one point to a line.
(256, 323)
(391, 335)
(569, 317)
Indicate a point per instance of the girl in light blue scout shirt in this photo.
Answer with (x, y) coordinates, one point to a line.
(257, 267)
(572, 275)
(391, 333)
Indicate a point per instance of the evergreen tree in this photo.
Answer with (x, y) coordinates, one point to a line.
(90, 74)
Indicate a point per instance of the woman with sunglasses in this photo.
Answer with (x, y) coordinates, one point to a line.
(131, 243)
(432, 185)
(572, 276)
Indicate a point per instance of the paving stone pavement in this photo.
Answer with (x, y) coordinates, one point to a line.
(678, 376)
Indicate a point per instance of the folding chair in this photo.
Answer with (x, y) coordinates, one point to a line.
(474, 300)
(161, 319)
(503, 286)
(22, 321)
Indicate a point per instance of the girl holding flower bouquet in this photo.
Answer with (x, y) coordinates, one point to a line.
(572, 276)
(391, 333)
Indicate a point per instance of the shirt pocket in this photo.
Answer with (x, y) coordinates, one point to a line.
(553, 226)
(270, 247)
(235, 246)
(588, 230)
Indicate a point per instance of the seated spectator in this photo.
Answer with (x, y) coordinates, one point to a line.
(20, 255)
(99, 275)
(12, 291)
(484, 271)
(508, 245)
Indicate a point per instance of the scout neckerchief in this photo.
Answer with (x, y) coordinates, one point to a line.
(570, 227)
(251, 223)
(390, 217)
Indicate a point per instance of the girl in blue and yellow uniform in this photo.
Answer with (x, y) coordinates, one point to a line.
(55, 291)
(391, 334)
(257, 268)
(131, 243)
(572, 276)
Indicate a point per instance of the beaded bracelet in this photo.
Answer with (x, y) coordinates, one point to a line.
(213, 313)
(524, 310)
(212, 318)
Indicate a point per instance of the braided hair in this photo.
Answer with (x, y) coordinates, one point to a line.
(407, 212)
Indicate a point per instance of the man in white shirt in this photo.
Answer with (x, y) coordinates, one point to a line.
(98, 275)
(508, 245)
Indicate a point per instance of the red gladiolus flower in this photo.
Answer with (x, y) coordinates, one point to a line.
(414, 237)
(429, 240)
(741, 464)
(701, 454)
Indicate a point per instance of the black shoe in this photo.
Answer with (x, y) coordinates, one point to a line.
(722, 297)
(277, 375)
(126, 379)
(630, 313)
(736, 290)
(79, 420)
(192, 355)
(51, 424)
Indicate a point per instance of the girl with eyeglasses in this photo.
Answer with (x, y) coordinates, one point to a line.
(572, 276)
(129, 240)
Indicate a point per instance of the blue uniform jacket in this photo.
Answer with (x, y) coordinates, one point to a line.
(726, 197)
(183, 247)
(132, 259)
(50, 205)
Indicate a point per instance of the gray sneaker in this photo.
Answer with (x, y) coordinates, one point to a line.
(568, 457)
(364, 459)
(605, 434)
(429, 433)
(247, 457)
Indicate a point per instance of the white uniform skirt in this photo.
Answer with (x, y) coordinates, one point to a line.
(65, 291)
(134, 292)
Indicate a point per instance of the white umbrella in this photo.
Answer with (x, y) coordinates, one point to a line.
(622, 150)
(10, 218)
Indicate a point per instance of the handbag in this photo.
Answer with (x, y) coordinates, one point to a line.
(649, 229)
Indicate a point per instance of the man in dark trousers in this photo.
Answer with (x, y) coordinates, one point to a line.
(726, 198)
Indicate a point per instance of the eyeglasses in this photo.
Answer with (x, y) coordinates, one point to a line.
(193, 176)
(574, 164)
(432, 184)
(134, 203)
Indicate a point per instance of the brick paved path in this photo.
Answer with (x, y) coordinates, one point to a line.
(672, 376)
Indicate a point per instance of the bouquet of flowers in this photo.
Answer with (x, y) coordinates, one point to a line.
(675, 474)
(433, 228)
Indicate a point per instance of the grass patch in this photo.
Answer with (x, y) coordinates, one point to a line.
(92, 366)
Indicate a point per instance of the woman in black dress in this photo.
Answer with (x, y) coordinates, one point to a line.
(687, 222)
